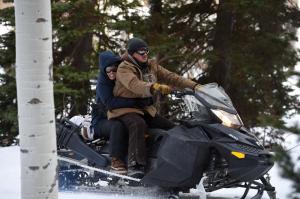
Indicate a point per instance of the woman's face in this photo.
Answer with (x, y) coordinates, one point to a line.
(111, 72)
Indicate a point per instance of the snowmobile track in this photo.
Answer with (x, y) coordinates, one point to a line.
(149, 192)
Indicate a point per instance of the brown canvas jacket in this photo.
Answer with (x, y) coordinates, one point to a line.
(130, 83)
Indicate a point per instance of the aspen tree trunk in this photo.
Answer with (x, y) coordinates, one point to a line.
(35, 99)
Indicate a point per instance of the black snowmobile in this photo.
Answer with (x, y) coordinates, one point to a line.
(210, 143)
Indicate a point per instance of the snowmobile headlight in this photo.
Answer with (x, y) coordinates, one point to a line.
(238, 154)
(228, 119)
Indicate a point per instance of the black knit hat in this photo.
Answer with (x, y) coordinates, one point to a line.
(135, 44)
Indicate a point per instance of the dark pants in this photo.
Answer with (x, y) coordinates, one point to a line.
(137, 127)
(158, 122)
(117, 134)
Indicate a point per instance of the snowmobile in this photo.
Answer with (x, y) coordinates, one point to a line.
(210, 144)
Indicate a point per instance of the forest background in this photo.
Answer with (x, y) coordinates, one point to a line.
(246, 46)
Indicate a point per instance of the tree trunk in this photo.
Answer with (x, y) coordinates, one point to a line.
(221, 63)
(35, 99)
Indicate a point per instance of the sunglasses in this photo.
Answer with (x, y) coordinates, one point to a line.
(144, 51)
(109, 69)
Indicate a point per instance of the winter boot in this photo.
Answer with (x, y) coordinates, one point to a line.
(136, 170)
(118, 166)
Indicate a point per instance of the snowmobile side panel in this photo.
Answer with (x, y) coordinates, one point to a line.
(219, 130)
(252, 167)
(182, 157)
(257, 160)
(68, 137)
(153, 141)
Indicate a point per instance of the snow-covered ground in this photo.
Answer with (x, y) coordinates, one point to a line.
(10, 179)
(10, 186)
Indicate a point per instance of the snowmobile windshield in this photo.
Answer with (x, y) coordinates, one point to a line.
(214, 97)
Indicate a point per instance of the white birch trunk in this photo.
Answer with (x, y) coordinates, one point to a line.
(35, 99)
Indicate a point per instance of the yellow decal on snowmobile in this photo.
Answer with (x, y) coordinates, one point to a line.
(238, 154)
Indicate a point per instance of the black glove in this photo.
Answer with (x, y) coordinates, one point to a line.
(142, 102)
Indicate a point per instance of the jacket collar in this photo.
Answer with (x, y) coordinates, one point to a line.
(130, 59)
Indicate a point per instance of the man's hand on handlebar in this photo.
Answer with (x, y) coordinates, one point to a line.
(198, 87)
(162, 88)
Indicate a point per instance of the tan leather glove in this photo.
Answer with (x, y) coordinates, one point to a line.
(162, 88)
(198, 87)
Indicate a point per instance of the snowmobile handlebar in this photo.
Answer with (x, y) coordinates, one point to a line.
(183, 92)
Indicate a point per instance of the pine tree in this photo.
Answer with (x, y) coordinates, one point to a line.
(81, 29)
(288, 163)
(244, 46)
(8, 101)
(251, 61)
(261, 57)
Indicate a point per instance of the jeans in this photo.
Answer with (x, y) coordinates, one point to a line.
(117, 134)
(137, 127)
